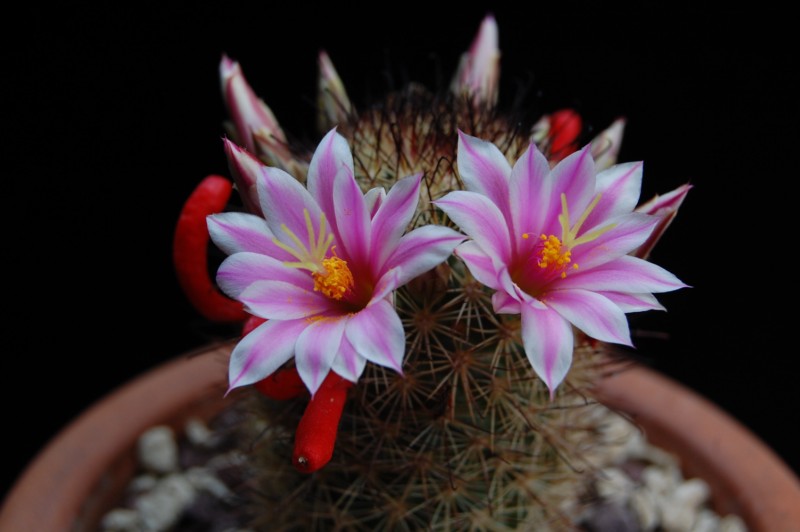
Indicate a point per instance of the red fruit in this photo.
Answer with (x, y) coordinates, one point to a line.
(190, 251)
(251, 323)
(565, 127)
(316, 433)
(281, 385)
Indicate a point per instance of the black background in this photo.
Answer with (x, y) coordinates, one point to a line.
(115, 114)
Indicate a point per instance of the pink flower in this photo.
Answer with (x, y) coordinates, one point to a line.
(321, 267)
(555, 246)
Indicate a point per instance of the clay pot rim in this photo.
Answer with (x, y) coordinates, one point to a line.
(746, 477)
(761, 488)
(67, 472)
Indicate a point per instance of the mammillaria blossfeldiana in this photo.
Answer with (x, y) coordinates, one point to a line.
(450, 372)
(554, 245)
(321, 268)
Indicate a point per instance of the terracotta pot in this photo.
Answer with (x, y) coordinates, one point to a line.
(81, 475)
(83, 471)
(746, 477)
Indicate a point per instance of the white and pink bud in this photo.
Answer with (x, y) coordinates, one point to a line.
(664, 206)
(478, 73)
(606, 145)
(256, 127)
(245, 169)
(333, 105)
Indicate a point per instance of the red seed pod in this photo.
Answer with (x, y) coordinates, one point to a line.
(190, 251)
(251, 323)
(316, 433)
(565, 127)
(282, 385)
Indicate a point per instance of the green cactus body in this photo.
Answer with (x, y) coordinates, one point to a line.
(467, 438)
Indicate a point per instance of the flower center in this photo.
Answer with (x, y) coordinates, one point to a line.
(552, 256)
(555, 254)
(336, 279)
(331, 275)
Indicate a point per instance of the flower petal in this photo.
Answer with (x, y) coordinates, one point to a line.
(665, 208)
(245, 169)
(283, 301)
(284, 202)
(479, 218)
(512, 289)
(484, 169)
(628, 233)
(393, 217)
(374, 199)
(548, 341)
(388, 283)
(633, 302)
(263, 351)
(332, 154)
(530, 190)
(623, 274)
(606, 145)
(348, 364)
(479, 264)
(665, 203)
(619, 188)
(573, 177)
(235, 232)
(505, 304)
(352, 219)
(317, 347)
(592, 313)
(422, 249)
(376, 333)
(240, 270)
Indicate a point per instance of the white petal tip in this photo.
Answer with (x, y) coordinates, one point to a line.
(228, 67)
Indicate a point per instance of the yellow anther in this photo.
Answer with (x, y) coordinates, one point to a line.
(336, 280)
(556, 254)
(525, 236)
(553, 255)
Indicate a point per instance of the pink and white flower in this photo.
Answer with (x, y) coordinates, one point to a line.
(554, 245)
(321, 267)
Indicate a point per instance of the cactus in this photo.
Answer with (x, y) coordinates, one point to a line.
(467, 440)
(467, 436)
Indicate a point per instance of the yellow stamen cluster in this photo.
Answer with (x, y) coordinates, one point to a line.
(331, 275)
(336, 280)
(556, 253)
(552, 256)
